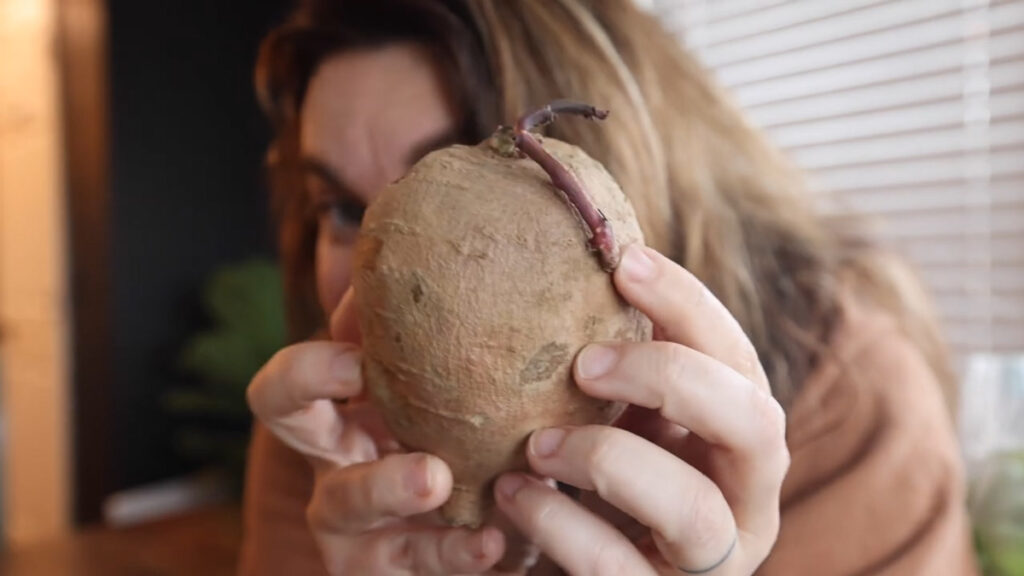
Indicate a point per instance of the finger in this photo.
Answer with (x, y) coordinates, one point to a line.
(689, 515)
(303, 373)
(686, 387)
(707, 398)
(423, 552)
(364, 496)
(344, 322)
(577, 540)
(365, 416)
(648, 424)
(684, 310)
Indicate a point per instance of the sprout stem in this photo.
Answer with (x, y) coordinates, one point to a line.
(600, 230)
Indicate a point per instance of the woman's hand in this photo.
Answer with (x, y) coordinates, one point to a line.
(371, 504)
(698, 458)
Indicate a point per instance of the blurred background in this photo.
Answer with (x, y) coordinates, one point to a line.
(138, 290)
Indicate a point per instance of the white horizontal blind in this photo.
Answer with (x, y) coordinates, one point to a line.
(908, 111)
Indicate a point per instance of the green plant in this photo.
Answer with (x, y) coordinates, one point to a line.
(245, 304)
(998, 515)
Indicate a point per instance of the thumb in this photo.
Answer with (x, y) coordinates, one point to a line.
(344, 322)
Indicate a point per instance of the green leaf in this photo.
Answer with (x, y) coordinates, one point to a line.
(245, 303)
(247, 298)
(201, 403)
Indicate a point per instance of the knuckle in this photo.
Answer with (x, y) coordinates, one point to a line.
(748, 361)
(374, 492)
(784, 459)
(334, 490)
(331, 503)
(612, 560)
(385, 553)
(605, 454)
(299, 370)
(706, 522)
(771, 532)
(769, 420)
(256, 390)
(677, 369)
(446, 551)
(676, 363)
(401, 553)
(277, 363)
(700, 294)
(546, 513)
(339, 561)
(252, 394)
(315, 517)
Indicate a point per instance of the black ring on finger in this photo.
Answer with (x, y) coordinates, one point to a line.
(725, 557)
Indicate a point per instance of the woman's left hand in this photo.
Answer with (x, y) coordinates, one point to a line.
(689, 479)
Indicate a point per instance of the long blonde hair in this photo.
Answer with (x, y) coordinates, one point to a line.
(709, 191)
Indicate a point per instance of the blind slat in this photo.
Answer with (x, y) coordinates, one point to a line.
(816, 34)
(1004, 28)
(929, 34)
(965, 307)
(1006, 15)
(940, 251)
(958, 222)
(896, 201)
(945, 58)
(942, 143)
(984, 338)
(966, 278)
(779, 18)
(1007, 45)
(944, 85)
(1008, 104)
(1008, 163)
(908, 120)
(972, 277)
(886, 95)
(722, 11)
(936, 115)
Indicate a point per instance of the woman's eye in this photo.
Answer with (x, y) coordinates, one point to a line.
(336, 215)
(342, 213)
(339, 219)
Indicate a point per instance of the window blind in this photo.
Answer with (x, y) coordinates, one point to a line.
(910, 112)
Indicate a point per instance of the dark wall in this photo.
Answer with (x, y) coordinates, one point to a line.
(187, 196)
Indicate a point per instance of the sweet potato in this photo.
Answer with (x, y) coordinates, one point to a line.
(476, 283)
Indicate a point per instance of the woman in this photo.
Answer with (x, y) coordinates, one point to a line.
(358, 91)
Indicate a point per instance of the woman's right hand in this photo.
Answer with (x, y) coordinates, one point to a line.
(371, 507)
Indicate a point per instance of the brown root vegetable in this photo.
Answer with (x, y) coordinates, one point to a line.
(476, 284)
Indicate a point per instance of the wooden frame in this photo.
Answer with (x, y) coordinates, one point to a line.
(82, 43)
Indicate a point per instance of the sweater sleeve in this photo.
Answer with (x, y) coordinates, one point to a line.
(279, 484)
(875, 486)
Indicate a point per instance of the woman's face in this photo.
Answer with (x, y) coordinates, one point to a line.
(368, 115)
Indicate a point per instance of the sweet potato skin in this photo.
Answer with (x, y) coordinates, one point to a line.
(475, 289)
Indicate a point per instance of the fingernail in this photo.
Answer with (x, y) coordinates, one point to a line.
(510, 484)
(345, 367)
(418, 479)
(596, 360)
(545, 442)
(636, 264)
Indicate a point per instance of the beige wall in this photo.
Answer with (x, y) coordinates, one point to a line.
(33, 292)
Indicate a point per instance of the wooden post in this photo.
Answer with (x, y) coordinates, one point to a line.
(34, 305)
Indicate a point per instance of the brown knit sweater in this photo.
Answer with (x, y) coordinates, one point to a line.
(875, 485)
